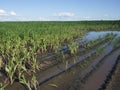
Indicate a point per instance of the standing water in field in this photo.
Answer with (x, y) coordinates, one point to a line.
(95, 35)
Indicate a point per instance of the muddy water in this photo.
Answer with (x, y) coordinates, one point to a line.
(55, 71)
(62, 82)
(113, 83)
(16, 86)
(94, 81)
(60, 69)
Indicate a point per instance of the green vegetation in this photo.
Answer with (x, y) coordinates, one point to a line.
(29, 84)
(2, 87)
(22, 42)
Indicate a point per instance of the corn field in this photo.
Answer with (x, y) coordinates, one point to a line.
(22, 42)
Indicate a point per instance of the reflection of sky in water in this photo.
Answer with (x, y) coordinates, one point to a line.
(94, 35)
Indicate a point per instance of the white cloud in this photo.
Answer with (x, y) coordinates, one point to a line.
(64, 14)
(87, 17)
(3, 12)
(6, 13)
(13, 13)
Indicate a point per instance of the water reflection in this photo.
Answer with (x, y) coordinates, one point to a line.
(95, 35)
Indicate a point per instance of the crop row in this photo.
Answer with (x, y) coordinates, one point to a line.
(21, 43)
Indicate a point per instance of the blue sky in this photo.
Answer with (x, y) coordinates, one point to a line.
(49, 10)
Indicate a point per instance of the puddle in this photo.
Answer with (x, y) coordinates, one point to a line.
(92, 35)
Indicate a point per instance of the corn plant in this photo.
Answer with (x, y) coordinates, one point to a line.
(25, 82)
(10, 69)
(34, 82)
(34, 64)
(2, 87)
(73, 48)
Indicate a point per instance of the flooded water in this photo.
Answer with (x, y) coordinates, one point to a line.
(97, 79)
(92, 35)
